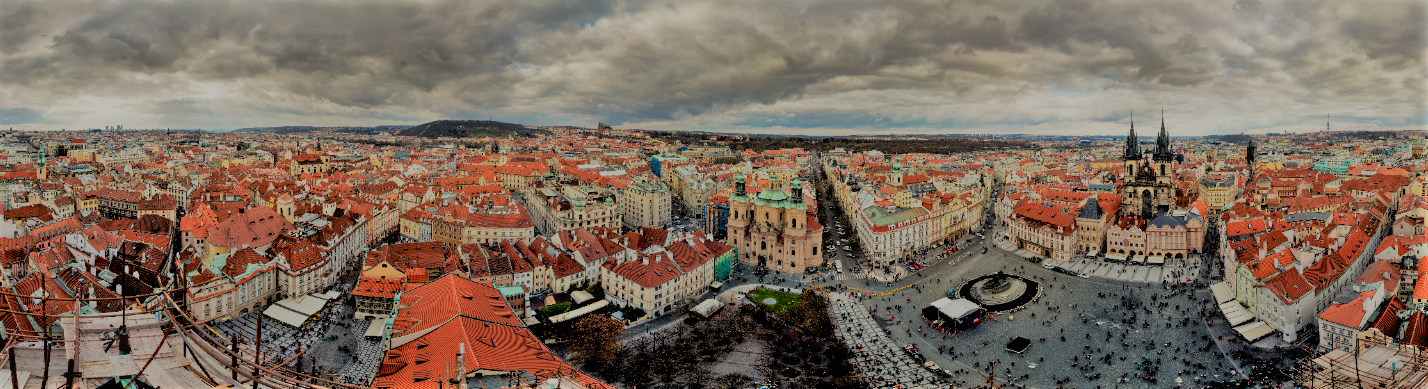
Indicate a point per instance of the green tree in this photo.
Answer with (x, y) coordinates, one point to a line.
(555, 309)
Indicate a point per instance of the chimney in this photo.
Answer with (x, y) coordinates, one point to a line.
(461, 366)
(645, 259)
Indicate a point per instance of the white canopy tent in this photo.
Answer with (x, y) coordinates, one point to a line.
(955, 308)
(581, 296)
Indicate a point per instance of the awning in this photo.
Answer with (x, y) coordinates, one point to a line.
(295, 312)
(1222, 292)
(1155, 260)
(1254, 331)
(716, 285)
(707, 308)
(285, 315)
(581, 296)
(1138, 259)
(1092, 254)
(376, 328)
(579, 312)
(1115, 257)
(1235, 313)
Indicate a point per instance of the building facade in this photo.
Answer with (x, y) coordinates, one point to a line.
(774, 229)
(646, 203)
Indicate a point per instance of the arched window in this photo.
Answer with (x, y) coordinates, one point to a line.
(1162, 170)
(763, 245)
(795, 223)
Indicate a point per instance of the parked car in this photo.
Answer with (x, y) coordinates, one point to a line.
(1047, 265)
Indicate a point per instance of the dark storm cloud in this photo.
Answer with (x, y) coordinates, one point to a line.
(702, 63)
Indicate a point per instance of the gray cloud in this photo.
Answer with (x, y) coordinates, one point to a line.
(951, 65)
(21, 116)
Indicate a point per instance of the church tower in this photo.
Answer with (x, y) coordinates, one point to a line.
(795, 220)
(1132, 153)
(1249, 156)
(738, 209)
(1164, 156)
(42, 171)
(895, 177)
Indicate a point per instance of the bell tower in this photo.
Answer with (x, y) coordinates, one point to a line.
(795, 220)
(1132, 153)
(1164, 156)
(1249, 155)
(42, 171)
(739, 216)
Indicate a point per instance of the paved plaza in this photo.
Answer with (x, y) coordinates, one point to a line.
(333, 340)
(1136, 326)
(875, 354)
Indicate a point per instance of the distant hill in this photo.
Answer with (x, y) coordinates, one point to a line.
(470, 129)
(1236, 138)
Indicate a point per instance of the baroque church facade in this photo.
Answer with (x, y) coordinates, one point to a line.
(774, 228)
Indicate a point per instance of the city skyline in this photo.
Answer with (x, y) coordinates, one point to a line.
(846, 68)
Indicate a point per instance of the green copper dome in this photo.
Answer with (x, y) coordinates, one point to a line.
(773, 195)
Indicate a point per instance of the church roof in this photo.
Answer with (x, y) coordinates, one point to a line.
(1092, 209)
(1165, 220)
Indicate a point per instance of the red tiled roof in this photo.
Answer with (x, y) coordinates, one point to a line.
(255, 227)
(450, 296)
(374, 287)
(1246, 227)
(426, 255)
(1350, 314)
(1289, 285)
(1047, 215)
(1387, 321)
(659, 271)
(1416, 332)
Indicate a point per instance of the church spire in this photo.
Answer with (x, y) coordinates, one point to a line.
(1162, 142)
(1132, 145)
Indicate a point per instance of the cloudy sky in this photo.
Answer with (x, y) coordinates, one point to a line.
(787, 66)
